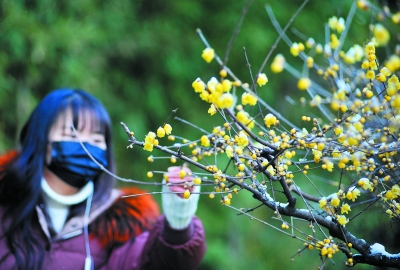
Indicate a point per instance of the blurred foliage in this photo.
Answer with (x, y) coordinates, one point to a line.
(140, 58)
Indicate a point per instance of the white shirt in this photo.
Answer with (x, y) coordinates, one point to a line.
(58, 205)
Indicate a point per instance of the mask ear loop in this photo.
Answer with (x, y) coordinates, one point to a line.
(88, 261)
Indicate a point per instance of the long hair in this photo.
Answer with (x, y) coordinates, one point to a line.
(20, 185)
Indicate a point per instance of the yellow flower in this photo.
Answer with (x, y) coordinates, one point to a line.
(342, 220)
(304, 83)
(205, 141)
(197, 181)
(241, 167)
(353, 194)
(160, 132)
(310, 62)
(148, 147)
(149, 141)
(363, 4)
(381, 34)
(229, 151)
(365, 184)
(241, 139)
(396, 190)
(317, 155)
(390, 195)
(322, 203)
(223, 73)
(198, 85)
(167, 129)
(278, 64)
(249, 99)
(370, 48)
(294, 49)
(270, 119)
(345, 208)
(226, 85)
(335, 42)
(208, 54)
(370, 74)
(329, 166)
(212, 110)
(262, 79)
(186, 194)
(182, 174)
(244, 118)
(225, 101)
(335, 202)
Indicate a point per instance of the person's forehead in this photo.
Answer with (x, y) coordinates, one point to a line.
(86, 120)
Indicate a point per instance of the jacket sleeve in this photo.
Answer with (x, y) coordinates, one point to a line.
(160, 254)
(150, 251)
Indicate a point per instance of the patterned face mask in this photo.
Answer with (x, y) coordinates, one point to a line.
(71, 163)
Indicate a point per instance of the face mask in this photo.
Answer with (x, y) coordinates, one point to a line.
(71, 163)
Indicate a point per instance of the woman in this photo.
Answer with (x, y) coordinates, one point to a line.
(59, 210)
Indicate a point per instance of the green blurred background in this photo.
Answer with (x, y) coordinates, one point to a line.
(140, 58)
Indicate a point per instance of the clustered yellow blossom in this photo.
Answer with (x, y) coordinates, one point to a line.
(365, 184)
(393, 193)
(337, 24)
(296, 48)
(327, 247)
(150, 141)
(215, 92)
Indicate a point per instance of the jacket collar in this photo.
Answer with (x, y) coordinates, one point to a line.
(74, 226)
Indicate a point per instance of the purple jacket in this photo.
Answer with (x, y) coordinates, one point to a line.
(153, 249)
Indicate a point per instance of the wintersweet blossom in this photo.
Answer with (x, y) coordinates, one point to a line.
(278, 64)
(198, 85)
(365, 184)
(149, 141)
(244, 118)
(249, 99)
(186, 194)
(262, 79)
(212, 110)
(353, 194)
(345, 209)
(342, 220)
(167, 129)
(225, 101)
(322, 203)
(208, 54)
(381, 34)
(229, 151)
(270, 119)
(335, 201)
(160, 132)
(205, 141)
(304, 83)
(242, 139)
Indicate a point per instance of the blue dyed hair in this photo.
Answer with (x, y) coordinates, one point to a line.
(20, 187)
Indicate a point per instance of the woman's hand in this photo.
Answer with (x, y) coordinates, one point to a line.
(180, 179)
(179, 210)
